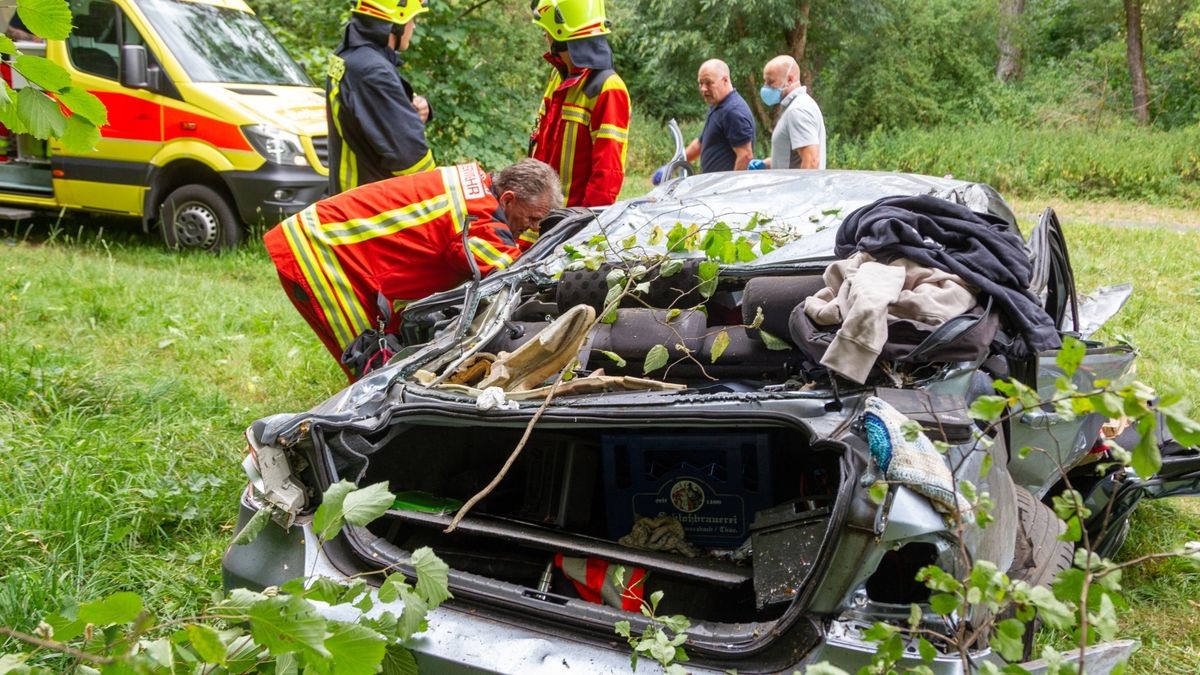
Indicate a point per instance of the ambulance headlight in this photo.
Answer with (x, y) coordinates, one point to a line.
(279, 147)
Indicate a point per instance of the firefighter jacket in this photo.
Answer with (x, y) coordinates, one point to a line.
(388, 243)
(375, 131)
(582, 131)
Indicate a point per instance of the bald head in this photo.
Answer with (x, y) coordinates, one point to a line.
(782, 72)
(714, 81)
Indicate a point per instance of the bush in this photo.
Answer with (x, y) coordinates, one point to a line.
(1109, 163)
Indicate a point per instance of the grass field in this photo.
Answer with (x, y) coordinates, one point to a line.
(127, 375)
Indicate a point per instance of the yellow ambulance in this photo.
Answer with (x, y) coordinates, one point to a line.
(212, 126)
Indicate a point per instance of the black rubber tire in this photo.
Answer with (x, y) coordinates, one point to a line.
(1039, 555)
(198, 218)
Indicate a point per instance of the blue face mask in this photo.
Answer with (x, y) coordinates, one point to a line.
(770, 95)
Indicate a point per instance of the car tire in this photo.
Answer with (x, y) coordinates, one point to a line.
(1039, 555)
(197, 217)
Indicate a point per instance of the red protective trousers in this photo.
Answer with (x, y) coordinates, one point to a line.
(398, 239)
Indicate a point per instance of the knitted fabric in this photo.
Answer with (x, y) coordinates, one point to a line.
(915, 464)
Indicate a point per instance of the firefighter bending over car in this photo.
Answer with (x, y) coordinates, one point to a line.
(583, 122)
(376, 123)
(350, 262)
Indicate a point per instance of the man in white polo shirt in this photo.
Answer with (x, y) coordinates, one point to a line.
(798, 141)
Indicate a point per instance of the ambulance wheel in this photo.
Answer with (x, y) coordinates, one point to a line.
(198, 218)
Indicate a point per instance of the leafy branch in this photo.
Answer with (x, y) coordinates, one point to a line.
(280, 629)
(37, 108)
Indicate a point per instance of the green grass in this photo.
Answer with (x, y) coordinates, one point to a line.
(128, 374)
(1121, 162)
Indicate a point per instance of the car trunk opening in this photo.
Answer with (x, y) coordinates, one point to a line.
(738, 513)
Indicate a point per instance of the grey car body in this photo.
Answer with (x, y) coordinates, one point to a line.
(825, 562)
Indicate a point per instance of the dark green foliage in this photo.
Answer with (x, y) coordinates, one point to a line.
(480, 68)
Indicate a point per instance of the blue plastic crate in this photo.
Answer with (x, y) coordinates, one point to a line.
(712, 483)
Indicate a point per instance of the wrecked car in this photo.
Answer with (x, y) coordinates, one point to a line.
(680, 413)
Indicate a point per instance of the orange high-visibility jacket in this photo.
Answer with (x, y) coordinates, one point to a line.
(582, 131)
(399, 239)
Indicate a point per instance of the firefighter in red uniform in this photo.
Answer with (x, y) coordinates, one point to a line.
(583, 123)
(349, 261)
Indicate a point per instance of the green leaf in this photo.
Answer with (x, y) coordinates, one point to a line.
(628, 242)
(745, 251)
(985, 466)
(40, 113)
(1071, 355)
(670, 268)
(614, 357)
(1054, 612)
(82, 102)
(328, 519)
(878, 492)
(433, 576)
(677, 623)
(1007, 639)
(720, 343)
(758, 318)
(412, 617)
(926, 649)
(65, 628)
(1074, 531)
(622, 628)
(253, 527)
(938, 579)
(1183, 428)
(355, 649)
(118, 608)
(657, 236)
(159, 652)
(7, 46)
(766, 243)
(399, 661)
(706, 272)
(673, 314)
(207, 643)
(879, 631)
(1147, 459)
(321, 589)
(943, 604)
(50, 19)
(655, 358)
(43, 72)
(988, 408)
(362, 506)
(285, 624)
(773, 343)
(1104, 620)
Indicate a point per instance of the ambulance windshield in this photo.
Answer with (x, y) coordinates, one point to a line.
(220, 44)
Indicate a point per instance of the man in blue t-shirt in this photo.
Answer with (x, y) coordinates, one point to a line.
(727, 141)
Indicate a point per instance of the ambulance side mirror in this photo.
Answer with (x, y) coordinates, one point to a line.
(134, 71)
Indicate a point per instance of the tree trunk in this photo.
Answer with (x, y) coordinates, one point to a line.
(1008, 66)
(1137, 62)
(797, 40)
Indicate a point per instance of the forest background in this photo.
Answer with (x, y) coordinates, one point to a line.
(1095, 99)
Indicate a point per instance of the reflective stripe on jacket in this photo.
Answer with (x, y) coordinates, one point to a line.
(584, 137)
(399, 238)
